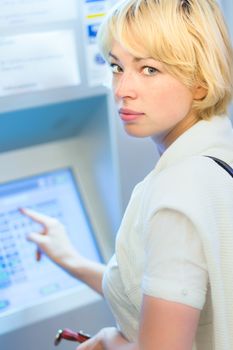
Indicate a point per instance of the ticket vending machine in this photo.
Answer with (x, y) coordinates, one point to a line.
(56, 157)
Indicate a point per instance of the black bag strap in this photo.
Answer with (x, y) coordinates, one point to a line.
(223, 165)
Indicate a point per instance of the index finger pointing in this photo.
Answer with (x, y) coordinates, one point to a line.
(42, 219)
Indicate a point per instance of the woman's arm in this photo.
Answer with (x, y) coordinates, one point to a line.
(89, 272)
(167, 325)
(54, 242)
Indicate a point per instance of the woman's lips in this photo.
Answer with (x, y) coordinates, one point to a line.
(129, 115)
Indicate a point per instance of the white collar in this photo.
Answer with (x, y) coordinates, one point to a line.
(212, 137)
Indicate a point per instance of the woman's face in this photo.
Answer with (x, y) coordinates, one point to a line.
(150, 101)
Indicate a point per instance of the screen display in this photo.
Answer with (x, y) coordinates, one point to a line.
(23, 280)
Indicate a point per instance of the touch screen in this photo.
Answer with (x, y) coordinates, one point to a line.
(23, 280)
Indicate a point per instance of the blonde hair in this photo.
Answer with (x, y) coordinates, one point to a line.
(190, 38)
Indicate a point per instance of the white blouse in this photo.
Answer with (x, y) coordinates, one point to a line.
(175, 270)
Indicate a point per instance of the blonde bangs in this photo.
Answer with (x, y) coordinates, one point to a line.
(135, 27)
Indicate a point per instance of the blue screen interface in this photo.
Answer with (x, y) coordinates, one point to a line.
(23, 280)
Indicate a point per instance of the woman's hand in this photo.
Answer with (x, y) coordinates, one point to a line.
(106, 339)
(53, 240)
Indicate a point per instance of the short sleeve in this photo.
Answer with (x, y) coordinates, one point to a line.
(175, 266)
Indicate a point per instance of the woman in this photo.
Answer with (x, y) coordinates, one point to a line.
(170, 282)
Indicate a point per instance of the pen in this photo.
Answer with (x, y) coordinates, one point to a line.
(38, 254)
(68, 334)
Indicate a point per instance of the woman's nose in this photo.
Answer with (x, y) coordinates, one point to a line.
(125, 86)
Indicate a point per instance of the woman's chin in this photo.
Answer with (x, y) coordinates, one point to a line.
(136, 131)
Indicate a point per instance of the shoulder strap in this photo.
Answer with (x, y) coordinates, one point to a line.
(222, 164)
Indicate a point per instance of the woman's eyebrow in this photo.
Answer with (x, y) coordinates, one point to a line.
(136, 59)
(113, 56)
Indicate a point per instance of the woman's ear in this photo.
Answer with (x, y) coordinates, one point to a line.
(199, 92)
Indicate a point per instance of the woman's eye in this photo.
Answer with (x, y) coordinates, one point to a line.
(115, 68)
(150, 70)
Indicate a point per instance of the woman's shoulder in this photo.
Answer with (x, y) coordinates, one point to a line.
(194, 171)
(195, 181)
